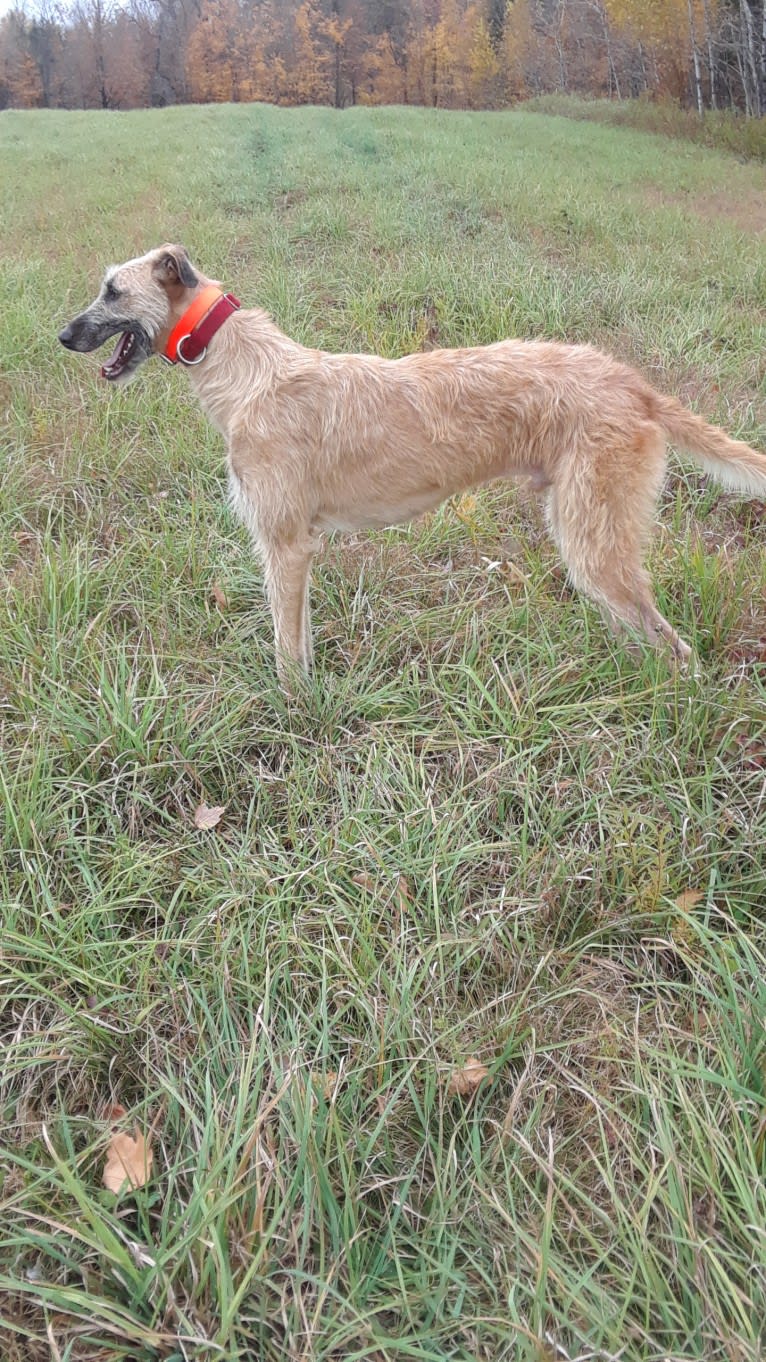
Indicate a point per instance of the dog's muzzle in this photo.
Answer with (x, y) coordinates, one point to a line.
(66, 336)
(86, 332)
(134, 346)
(77, 335)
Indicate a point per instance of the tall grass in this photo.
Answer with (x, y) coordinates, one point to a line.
(721, 129)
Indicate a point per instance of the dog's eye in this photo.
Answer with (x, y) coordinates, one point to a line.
(110, 292)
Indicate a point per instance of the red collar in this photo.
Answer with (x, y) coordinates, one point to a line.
(189, 339)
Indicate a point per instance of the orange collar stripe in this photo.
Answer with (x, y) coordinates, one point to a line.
(192, 316)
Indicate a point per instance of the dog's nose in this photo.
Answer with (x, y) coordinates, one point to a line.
(67, 335)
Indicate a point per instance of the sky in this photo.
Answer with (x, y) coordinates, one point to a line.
(29, 6)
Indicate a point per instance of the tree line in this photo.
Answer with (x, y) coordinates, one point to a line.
(119, 54)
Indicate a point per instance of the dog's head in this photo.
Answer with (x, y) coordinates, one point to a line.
(139, 301)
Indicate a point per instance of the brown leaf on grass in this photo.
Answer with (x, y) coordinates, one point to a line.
(687, 900)
(25, 538)
(464, 1082)
(514, 572)
(219, 596)
(206, 817)
(364, 881)
(115, 1112)
(325, 1083)
(128, 1160)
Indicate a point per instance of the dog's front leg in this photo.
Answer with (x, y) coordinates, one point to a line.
(287, 567)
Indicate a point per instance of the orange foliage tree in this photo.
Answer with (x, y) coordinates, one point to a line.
(21, 85)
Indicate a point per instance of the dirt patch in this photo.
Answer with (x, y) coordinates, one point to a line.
(745, 210)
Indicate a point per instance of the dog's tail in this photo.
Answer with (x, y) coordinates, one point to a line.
(730, 462)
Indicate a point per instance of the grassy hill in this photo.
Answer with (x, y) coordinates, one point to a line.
(488, 830)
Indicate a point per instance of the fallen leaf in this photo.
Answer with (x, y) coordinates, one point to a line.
(688, 899)
(206, 818)
(325, 1083)
(464, 1082)
(24, 537)
(115, 1112)
(128, 1160)
(219, 596)
(512, 570)
(364, 881)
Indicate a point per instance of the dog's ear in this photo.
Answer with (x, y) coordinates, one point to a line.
(175, 267)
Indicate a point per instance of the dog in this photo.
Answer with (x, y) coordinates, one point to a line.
(319, 441)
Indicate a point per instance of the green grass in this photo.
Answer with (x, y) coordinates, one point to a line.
(470, 837)
(719, 128)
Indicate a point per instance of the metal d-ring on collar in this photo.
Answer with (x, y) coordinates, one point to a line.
(181, 355)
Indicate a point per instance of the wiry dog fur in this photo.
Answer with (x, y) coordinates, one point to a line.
(319, 441)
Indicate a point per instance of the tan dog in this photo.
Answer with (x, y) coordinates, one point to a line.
(318, 441)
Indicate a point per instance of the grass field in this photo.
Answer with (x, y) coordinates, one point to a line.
(718, 128)
(488, 829)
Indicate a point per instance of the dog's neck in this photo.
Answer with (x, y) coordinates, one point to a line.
(181, 302)
(244, 360)
(189, 338)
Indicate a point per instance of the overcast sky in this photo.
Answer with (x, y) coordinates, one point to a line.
(28, 6)
(5, 5)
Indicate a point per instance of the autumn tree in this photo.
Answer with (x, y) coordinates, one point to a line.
(317, 42)
(215, 58)
(383, 75)
(21, 86)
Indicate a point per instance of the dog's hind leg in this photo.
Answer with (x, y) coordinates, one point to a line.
(600, 516)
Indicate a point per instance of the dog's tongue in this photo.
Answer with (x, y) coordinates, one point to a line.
(114, 365)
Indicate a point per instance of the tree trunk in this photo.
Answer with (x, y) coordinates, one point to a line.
(613, 77)
(695, 61)
(711, 52)
(749, 62)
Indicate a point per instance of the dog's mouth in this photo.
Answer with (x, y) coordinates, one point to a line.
(131, 350)
(124, 351)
